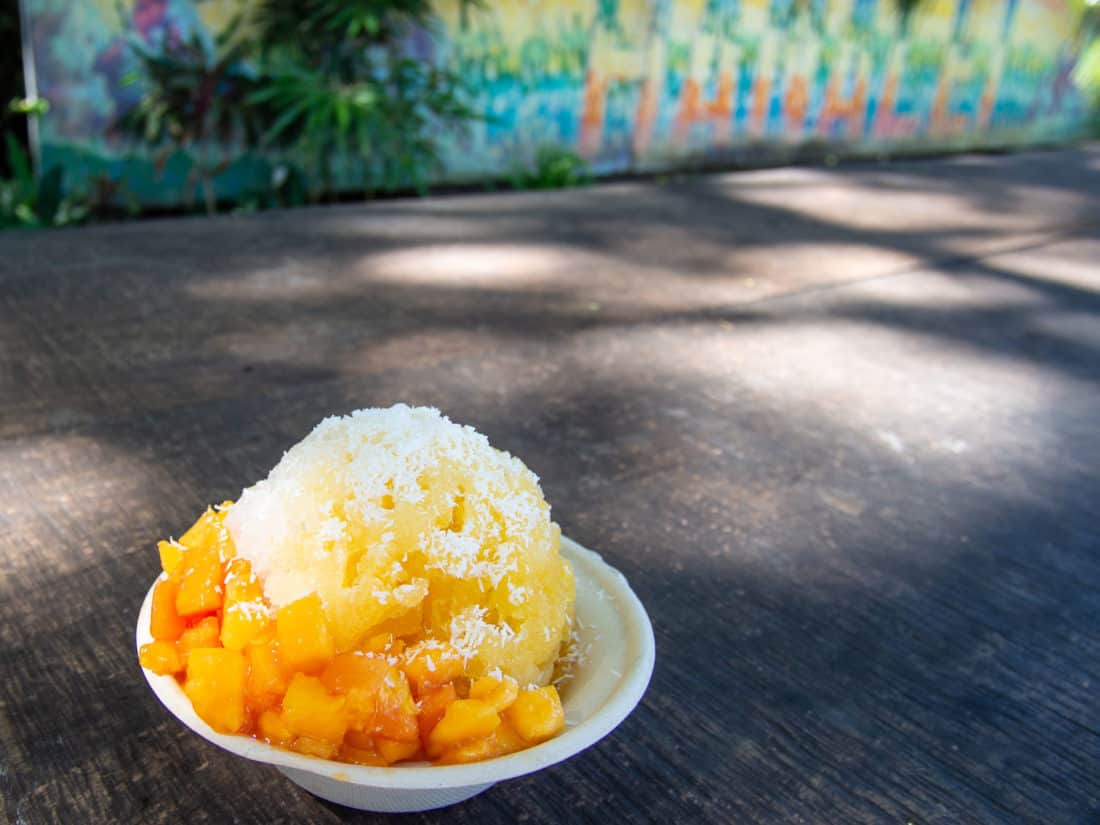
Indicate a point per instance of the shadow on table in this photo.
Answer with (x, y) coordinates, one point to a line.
(871, 600)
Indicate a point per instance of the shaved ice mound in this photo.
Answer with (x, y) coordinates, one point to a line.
(405, 523)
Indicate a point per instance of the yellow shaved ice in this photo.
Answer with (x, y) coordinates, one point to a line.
(405, 522)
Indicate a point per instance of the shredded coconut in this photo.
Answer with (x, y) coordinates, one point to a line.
(251, 610)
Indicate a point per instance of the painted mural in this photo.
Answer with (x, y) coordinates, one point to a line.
(639, 84)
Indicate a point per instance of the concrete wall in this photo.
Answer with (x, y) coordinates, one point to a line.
(640, 84)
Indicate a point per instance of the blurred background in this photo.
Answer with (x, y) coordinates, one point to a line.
(117, 108)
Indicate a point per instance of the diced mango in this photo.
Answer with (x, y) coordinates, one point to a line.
(160, 657)
(311, 711)
(363, 740)
(430, 664)
(392, 750)
(500, 742)
(537, 714)
(376, 750)
(433, 705)
(215, 685)
(242, 622)
(165, 623)
(200, 589)
(380, 703)
(321, 748)
(305, 643)
(204, 532)
(274, 730)
(171, 555)
(363, 753)
(245, 615)
(395, 711)
(241, 584)
(209, 531)
(378, 643)
(354, 670)
(464, 720)
(360, 678)
(361, 707)
(204, 634)
(266, 682)
(500, 693)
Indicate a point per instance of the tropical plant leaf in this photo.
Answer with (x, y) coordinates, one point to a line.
(49, 195)
(18, 161)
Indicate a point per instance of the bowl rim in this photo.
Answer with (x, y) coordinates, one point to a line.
(624, 696)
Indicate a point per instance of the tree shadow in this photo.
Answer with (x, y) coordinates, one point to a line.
(861, 515)
(826, 649)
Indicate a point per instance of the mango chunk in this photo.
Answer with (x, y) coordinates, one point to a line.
(395, 711)
(160, 657)
(380, 702)
(321, 748)
(242, 622)
(241, 584)
(500, 742)
(171, 555)
(360, 739)
(433, 705)
(165, 623)
(311, 711)
(274, 730)
(203, 634)
(464, 720)
(393, 750)
(354, 670)
(209, 532)
(305, 643)
(431, 663)
(215, 684)
(362, 752)
(500, 693)
(266, 682)
(200, 589)
(537, 714)
(245, 615)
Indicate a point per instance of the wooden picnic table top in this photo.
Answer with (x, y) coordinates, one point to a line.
(839, 429)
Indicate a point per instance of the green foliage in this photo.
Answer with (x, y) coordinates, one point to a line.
(332, 34)
(338, 92)
(29, 201)
(196, 99)
(29, 107)
(1087, 72)
(322, 82)
(26, 200)
(284, 186)
(553, 168)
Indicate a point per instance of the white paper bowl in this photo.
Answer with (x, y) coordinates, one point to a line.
(615, 632)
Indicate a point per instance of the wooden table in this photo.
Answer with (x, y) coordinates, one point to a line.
(841, 431)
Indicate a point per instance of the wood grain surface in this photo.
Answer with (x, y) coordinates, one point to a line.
(840, 430)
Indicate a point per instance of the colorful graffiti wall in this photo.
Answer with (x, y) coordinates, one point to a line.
(640, 84)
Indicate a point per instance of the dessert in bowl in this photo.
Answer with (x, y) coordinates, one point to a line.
(392, 619)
